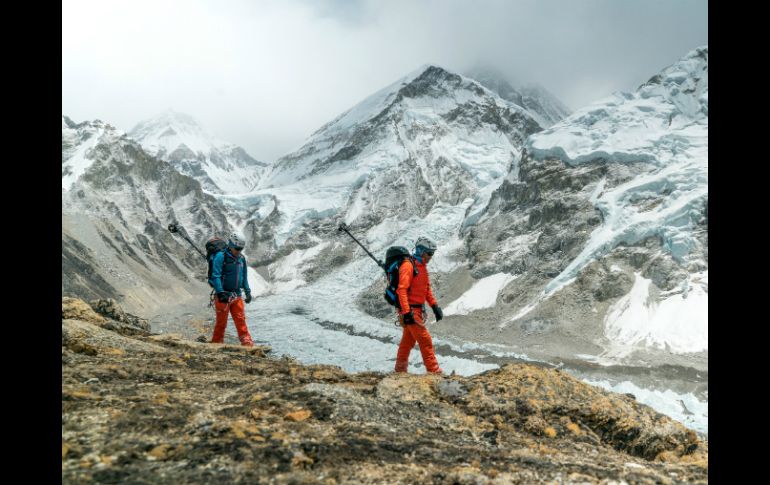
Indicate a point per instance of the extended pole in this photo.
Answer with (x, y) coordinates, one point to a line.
(174, 228)
(344, 227)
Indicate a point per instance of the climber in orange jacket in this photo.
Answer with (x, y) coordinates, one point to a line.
(412, 293)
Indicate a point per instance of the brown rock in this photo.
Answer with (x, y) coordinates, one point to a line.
(242, 429)
(113, 351)
(76, 309)
(110, 309)
(574, 429)
(405, 387)
(77, 394)
(535, 425)
(160, 452)
(81, 347)
(300, 415)
(256, 414)
(301, 460)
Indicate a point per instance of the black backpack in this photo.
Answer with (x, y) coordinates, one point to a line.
(393, 259)
(213, 246)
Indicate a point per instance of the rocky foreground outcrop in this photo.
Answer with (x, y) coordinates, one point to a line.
(141, 408)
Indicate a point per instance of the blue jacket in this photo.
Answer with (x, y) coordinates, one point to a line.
(228, 273)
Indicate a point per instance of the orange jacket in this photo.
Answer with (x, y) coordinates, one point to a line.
(413, 290)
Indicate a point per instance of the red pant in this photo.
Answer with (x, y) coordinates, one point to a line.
(416, 332)
(235, 308)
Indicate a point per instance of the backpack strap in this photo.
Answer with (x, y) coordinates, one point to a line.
(414, 266)
(393, 275)
(229, 256)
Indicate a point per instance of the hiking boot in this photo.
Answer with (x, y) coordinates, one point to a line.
(246, 342)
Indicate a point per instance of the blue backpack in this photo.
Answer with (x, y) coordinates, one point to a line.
(214, 246)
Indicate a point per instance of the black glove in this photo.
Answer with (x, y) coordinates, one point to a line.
(223, 297)
(408, 318)
(248, 297)
(437, 311)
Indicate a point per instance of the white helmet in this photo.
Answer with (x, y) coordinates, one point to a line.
(426, 244)
(236, 241)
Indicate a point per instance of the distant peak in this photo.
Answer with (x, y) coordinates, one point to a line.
(175, 117)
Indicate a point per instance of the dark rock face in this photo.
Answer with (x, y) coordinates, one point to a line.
(547, 209)
(81, 274)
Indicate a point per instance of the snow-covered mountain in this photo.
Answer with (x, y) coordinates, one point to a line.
(220, 167)
(117, 201)
(541, 104)
(605, 224)
(77, 143)
(431, 139)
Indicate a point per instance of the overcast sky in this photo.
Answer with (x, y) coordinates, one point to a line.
(266, 74)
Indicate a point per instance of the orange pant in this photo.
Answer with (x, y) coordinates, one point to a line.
(416, 332)
(235, 308)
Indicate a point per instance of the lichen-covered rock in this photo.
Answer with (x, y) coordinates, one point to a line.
(165, 409)
(110, 309)
(77, 309)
